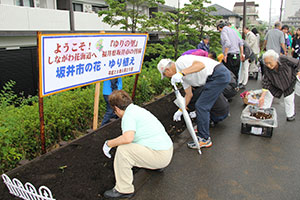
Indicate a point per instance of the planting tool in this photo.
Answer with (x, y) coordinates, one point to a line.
(180, 102)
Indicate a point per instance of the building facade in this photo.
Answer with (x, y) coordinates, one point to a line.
(293, 20)
(21, 19)
(290, 8)
(227, 15)
(251, 11)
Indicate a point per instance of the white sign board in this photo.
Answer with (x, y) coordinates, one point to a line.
(68, 61)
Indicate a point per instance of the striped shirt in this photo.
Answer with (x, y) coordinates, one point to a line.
(282, 81)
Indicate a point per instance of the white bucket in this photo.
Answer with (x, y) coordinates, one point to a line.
(297, 87)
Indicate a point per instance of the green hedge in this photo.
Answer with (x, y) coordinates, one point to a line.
(67, 115)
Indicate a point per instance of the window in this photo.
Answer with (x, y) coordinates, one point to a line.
(77, 7)
(96, 9)
(151, 12)
(26, 3)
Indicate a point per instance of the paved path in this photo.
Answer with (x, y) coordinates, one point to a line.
(236, 167)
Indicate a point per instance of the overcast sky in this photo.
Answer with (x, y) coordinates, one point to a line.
(263, 9)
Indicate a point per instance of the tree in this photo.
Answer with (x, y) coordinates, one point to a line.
(184, 27)
(199, 18)
(127, 13)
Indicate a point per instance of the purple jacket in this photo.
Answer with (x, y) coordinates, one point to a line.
(196, 52)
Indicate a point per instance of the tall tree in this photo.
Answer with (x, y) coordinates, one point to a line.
(128, 14)
(200, 19)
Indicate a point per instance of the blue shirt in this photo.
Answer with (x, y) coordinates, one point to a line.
(203, 46)
(148, 130)
(107, 90)
(231, 40)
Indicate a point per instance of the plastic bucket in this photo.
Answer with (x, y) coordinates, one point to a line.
(297, 87)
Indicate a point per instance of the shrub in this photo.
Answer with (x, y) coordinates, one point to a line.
(67, 115)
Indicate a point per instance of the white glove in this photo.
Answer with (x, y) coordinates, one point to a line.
(176, 78)
(106, 149)
(177, 115)
(193, 114)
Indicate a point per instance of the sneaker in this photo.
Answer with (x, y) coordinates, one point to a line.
(113, 193)
(241, 86)
(202, 142)
(212, 124)
(292, 118)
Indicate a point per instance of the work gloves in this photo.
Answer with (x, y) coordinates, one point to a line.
(177, 115)
(106, 149)
(193, 114)
(176, 78)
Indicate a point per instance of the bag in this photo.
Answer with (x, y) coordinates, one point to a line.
(114, 84)
(248, 51)
(230, 90)
(297, 86)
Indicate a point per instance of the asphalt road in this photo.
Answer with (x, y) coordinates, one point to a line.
(236, 167)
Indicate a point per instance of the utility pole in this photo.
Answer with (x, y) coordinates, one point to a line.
(71, 11)
(270, 11)
(244, 17)
(280, 10)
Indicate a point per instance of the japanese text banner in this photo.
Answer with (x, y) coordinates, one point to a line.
(72, 60)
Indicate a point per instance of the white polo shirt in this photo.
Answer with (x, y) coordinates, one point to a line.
(198, 78)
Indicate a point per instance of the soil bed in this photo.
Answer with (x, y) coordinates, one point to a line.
(79, 170)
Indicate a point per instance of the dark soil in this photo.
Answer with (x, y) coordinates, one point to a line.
(261, 115)
(79, 170)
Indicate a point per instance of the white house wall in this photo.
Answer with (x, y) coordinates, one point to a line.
(17, 18)
(91, 22)
(172, 3)
(12, 42)
(7, 2)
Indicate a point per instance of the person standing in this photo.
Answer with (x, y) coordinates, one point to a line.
(108, 87)
(251, 41)
(285, 30)
(256, 47)
(144, 143)
(232, 47)
(280, 79)
(296, 45)
(196, 71)
(274, 39)
(204, 44)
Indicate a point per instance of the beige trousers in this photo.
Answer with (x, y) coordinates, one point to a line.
(244, 73)
(136, 155)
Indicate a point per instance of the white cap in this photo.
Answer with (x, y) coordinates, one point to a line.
(161, 66)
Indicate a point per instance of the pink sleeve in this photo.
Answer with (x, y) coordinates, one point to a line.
(200, 52)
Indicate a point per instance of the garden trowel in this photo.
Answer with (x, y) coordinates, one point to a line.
(180, 102)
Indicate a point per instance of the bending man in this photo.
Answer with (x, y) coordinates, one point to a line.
(195, 71)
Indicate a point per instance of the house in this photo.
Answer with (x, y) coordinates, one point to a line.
(21, 19)
(227, 15)
(291, 7)
(251, 12)
(293, 20)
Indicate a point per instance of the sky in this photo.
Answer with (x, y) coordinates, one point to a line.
(263, 9)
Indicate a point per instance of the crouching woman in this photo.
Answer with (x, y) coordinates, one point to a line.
(280, 78)
(144, 143)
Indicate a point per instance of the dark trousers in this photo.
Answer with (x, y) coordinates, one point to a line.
(109, 112)
(233, 64)
(213, 87)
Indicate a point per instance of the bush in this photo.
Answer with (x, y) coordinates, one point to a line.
(67, 115)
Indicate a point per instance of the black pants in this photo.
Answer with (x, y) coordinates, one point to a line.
(233, 64)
